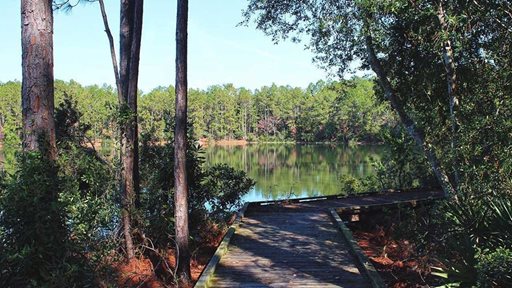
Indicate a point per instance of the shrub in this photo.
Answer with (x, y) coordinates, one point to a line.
(36, 250)
(404, 166)
(57, 216)
(495, 268)
(351, 185)
(223, 188)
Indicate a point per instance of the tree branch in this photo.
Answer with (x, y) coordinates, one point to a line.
(112, 51)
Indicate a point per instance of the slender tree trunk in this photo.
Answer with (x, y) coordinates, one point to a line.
(130, 41)
(125, 193)
(451, 78)
(180, 148)
(406, 120)
(113, 55)
(37, 73)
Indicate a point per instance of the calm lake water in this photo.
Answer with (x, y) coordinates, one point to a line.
(284, 171)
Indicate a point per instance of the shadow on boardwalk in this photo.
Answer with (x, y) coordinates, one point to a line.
(296, 244)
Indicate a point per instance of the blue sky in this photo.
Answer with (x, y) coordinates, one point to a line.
(219, 51)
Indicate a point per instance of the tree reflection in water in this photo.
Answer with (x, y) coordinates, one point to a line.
(294, 170)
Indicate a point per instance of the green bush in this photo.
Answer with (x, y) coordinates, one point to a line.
(495, 268)
(404, 166)
(87, 185)
(57, 216)
(36, 248)
(223, 188)
(350, 185)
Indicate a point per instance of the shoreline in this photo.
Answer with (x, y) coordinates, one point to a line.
(205, 142)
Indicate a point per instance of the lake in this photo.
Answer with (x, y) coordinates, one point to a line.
(283, 171)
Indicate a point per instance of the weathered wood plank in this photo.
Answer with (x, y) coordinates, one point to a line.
(288, 251)
(296, 244)
(208, 271)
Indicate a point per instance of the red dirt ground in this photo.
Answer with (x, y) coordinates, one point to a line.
(396, 260)
(140, 272)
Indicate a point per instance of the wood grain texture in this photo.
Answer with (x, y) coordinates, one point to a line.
(288, 250)
(297, 244)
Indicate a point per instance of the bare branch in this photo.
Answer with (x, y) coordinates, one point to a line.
(112, 50)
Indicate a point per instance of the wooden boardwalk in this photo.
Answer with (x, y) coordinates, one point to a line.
(295, 244)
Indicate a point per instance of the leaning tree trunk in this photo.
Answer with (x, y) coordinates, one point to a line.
(37, 74)
(180, 148)
(406, 120)
(130, 41)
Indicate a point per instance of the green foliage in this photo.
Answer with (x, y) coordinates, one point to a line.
(326, 111)
(87, 187)
(11, 145)
(214, 192)
(97, 105)
(222, 185)
(495, 268)
(404, 166)
(10, 104)
(35, 247)
(155, 109)
(58, 217)
(88, 198)
(351, 185)
(157, 182)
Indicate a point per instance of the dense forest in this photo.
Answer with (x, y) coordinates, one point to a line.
(335, 111)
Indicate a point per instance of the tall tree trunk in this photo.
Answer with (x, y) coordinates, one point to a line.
(406, 120)
(451, 78)
(37, 74)
(180, 148)
(130, 41)
(133, 90)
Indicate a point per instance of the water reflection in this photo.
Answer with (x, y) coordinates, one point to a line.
(290, 171)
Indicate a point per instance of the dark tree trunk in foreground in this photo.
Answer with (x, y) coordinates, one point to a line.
(130, 41)
(126, 77)
(180, 147)
(37, 70)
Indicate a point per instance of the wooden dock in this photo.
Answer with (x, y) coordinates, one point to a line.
(296, 243)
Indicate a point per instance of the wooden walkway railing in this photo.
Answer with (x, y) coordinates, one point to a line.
(298, 243)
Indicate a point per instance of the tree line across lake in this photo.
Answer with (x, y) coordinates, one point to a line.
(335, 111)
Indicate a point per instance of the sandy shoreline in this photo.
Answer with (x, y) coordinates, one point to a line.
(205, 142)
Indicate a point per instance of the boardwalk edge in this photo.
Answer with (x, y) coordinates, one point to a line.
(206, 275)
(363, 261)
